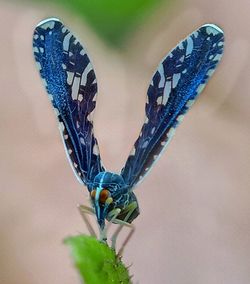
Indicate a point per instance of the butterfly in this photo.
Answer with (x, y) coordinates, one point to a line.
(70, 81)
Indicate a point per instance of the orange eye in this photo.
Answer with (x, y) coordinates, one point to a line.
(104, 195)
(92, 194)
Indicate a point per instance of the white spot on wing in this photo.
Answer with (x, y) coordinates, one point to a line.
(176, 79)
(44, 82)
(47, 21)
(66, 41)
(56, 111)
(200, 88)
(195, 34)
(180, 45)
(210, 72)
(85, 74)
(47, 25)
(35, 49)
(82, 52)
(166, 92)
(132, 153)
(90, 117)
(190, 45)
(161, 72)
(70, 76)
(171, 132)
(217, 57)
(180, 118)
(145, 144)
(213, 29)
(190, 102)
(75, 88)
(61, 126)
(80, 97)
(95, 150)
(182, 59)
(159, 100)
(94, 98)
(50, 96)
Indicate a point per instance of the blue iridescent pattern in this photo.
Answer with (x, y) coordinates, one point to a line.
(179, 79)
(71, 84)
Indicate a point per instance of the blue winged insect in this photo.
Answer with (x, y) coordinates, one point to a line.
(71, 84)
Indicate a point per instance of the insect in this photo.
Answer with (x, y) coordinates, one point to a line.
(70, 81)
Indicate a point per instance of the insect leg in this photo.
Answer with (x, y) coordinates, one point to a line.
(84, 211)
(131, 207)
(112, 216)
(116, 233)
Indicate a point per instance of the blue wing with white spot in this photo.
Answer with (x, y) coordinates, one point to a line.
(179, 79)
(71, 84)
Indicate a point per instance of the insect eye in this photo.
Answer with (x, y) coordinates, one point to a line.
(104, 195)
(93, 193)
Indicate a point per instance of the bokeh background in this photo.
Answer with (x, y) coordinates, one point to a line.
(194, 225)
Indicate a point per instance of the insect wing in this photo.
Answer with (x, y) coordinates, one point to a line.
(179, 79)
(71, 84)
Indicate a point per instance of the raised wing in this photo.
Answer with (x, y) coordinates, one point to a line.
(179, 79)
(70, 81)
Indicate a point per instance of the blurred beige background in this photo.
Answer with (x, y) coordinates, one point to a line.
(194, 226)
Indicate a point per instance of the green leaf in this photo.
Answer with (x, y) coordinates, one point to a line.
(96, 262)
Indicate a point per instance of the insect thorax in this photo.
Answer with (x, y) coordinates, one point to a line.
(120, 193)
(114, 182)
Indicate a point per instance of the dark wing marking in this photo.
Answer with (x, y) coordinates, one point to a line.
(179, 79)
(71, 85)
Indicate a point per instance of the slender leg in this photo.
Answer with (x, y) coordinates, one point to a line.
(112, 216)
(130, 209)
(84, 211)
(116, 233)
